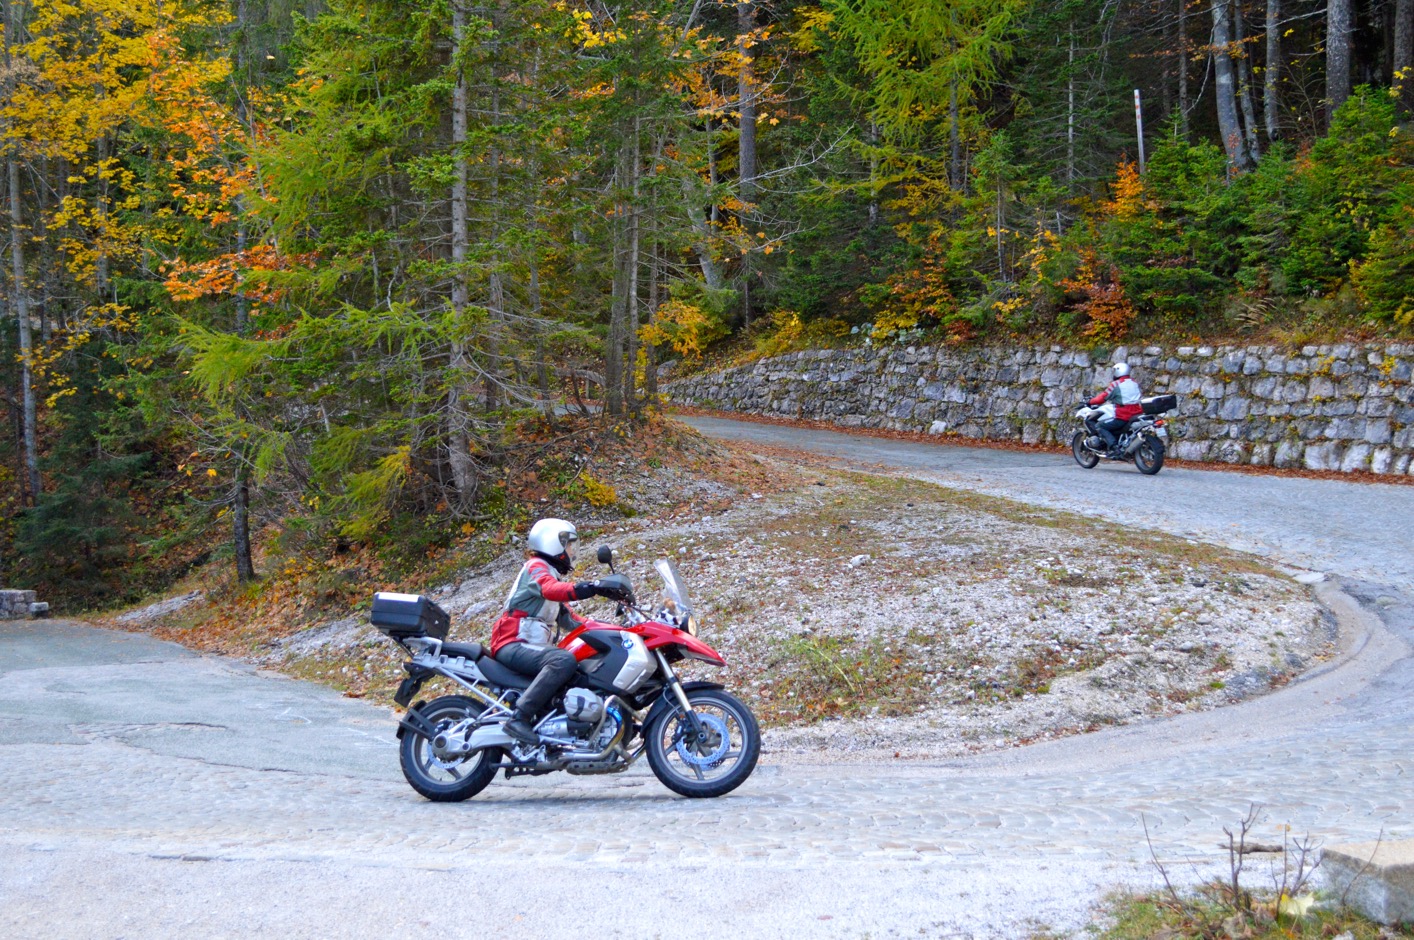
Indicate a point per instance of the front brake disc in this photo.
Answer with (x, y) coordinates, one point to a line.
(707, 753)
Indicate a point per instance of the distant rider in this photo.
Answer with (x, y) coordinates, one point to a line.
(523, 638)
(1124, 394)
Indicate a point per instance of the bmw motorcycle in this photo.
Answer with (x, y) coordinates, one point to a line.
(624, 700)
(1142, 440)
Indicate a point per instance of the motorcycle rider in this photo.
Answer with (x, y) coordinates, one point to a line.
(522, 638)
(1124, 394)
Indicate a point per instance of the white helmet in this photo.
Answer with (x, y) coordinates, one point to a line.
(1121, 369)
(553, 540)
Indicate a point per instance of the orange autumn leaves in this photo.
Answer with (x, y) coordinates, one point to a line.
(237, 272)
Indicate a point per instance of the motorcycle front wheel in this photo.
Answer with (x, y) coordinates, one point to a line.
(1084, 456)
(453, 779)
(1149, 458)
(701, 768)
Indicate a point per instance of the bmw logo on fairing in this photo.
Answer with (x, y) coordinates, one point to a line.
(627, 642)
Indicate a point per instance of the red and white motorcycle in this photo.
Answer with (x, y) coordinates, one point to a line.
(625, 699)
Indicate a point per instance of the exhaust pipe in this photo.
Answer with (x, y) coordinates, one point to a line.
(1133, 445)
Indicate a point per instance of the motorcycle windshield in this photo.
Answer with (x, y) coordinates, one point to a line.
(674, 589)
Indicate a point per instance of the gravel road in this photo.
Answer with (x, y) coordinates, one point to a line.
(1364, 530)
(152, 792)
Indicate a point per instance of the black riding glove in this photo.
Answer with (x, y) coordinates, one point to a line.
(586, 589)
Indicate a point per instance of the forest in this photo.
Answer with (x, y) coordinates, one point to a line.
(302, 274)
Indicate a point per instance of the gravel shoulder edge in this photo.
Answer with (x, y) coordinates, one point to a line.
(1367, 648)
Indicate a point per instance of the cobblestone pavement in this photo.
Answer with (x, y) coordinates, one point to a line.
(149, 792)
(127, 759)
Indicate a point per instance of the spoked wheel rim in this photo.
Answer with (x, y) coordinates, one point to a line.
(441, 777)
(451, 771)
(1083, 456)
(717, 754)
(1149, 457)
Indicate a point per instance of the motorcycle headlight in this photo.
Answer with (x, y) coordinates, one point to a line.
(691, 625)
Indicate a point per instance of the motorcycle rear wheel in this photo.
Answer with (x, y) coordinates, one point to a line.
(1149, 458)
(446, 781)
(1085, 457)
(693, 768)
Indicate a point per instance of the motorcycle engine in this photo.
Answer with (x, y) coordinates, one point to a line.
(583, 709)
(582, 714)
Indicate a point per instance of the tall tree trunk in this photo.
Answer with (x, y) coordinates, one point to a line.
(1070, 112)
(1242, 62)
(702, 244)
(1403, 74)
(245, 564)
(458, 392)
(542, 365)
(746, 140)
(618, 312)
(1271, 93)
(873, 173)
(746, 102)
(240, 515)
(496, 281)
(650, 371)
(48, 263)
(20, 291)
(614, 347)
(1234, 141)
(715, 214)
(631, 291)
(101, 210)
(1339, 26)
(1183, 67)
(954, 138)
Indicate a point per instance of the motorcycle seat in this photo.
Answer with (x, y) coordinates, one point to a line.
(500, 675)
(472, 651)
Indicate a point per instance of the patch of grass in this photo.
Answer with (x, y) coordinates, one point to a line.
(1225, 909)
(830, 677)
(1061, 577)
(1153, 917)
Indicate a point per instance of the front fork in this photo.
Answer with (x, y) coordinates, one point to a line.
(699, 730)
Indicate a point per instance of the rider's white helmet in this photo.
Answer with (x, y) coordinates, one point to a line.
(1121, 369)
(554, 540)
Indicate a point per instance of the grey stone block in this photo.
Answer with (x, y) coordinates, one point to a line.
(1234, 409)
(14, 605)
(1377, 432)
(1374, 878)
(1323, 456)
(1192, 450)
(1357, 457)
(1289, 454)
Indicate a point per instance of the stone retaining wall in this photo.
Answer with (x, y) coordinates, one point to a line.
(15, 605)
(1343, 407)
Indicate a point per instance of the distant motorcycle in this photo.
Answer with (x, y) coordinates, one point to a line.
(624, 700)
(1141, 441)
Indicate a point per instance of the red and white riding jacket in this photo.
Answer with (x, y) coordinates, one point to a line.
(1125, 394)
(535, 606)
